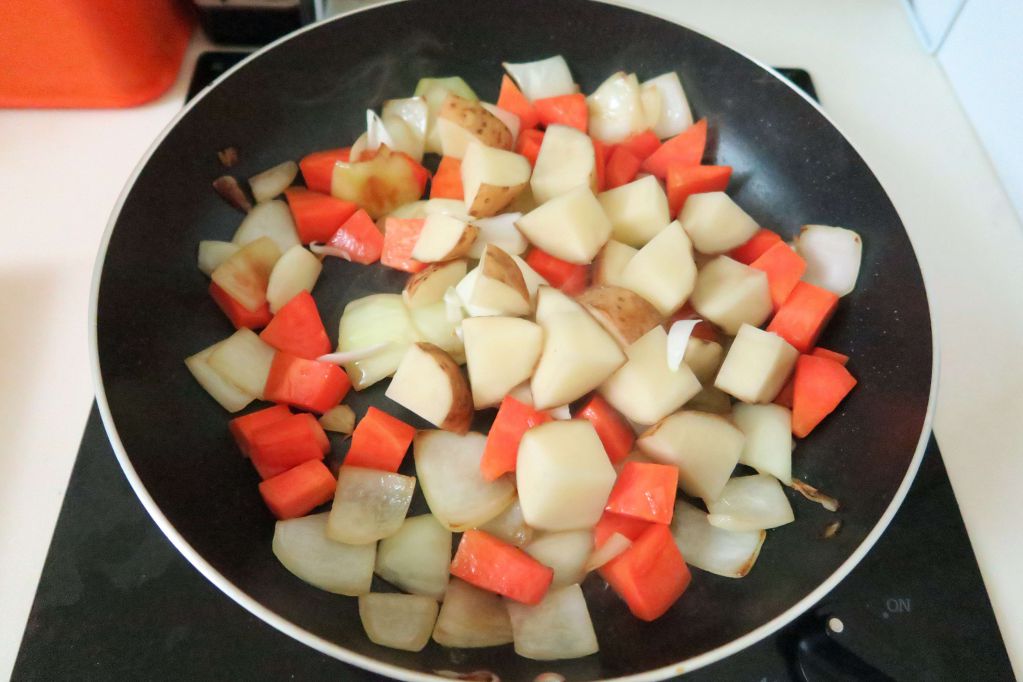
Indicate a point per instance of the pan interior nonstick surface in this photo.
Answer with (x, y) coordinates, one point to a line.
(311, 92)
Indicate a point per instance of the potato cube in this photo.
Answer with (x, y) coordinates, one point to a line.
(704, 358)
(715, 223)
(565, 161)
(731, 294)
(571, 226)
(563, 476)
(500, 353)
(705, 448)
(492, 178)
(663, 272)
(644, 389)
(757, 365)
(611, 262)
(578, 355)
(637, 211)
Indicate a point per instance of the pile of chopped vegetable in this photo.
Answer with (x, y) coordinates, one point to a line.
(576, 267)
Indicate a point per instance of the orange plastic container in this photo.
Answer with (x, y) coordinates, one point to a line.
(90, 53)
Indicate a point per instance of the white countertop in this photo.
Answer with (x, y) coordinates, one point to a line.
(61, 172)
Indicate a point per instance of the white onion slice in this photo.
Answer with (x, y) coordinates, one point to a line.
(399, 621)
(832, 256)
(768, 445)
(344, 357)
(544, 78)
(358, 147)
(750, 503)
(510, 120)
(723, 552)
(558, 627)
(270, 219)
(434, 326)
(564, 551)
(294, 272)
(416, 558)
(339, 419)
(370, 321)
(230, 397)
(213, 253)
(678, 341)
(302, 546)
(612, 547)
(675, 114)
(369, 505)
(376, 132)
(243, 359)
(510, 525)
(412, 110)
(448, 467)
(325, 250)
(500, 231)
(616, 109)
(651, 98)
(403, 138)
(273, 181)
(471, 618)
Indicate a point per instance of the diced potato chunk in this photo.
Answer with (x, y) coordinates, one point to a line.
(757, 365)
(566, 552)
(571, 226)
(303, 547)
(442, 238)
(705, 448)
(637, 211)
(768, 431)
(416, 558)
(558, 627)
(565, 161)
(492, 178)
(501, 353)
(429, 285)
(704, 358)
(471, 618)
(715, 223)
(663, 272)
(644, 389)
(429, 383)
(563, 476)
(368, 505)
(398, 621)
(496, 286)
(611, 262)
(731, 294)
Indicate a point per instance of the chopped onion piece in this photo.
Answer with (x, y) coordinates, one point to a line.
(416, 558)
(324, 250)
(723, 552)
(294, 272)
(565, 551)
(434, 326)
(768, 445)
(544, 78)
(243, 359)
(832, 256)
(376, 132)
(814, 495)
(371, 321)
(230, 397)
(339, 419)
(750, 503)
(213, 253)
(399, 621)
(471, 618)
(303, 547)
(269, 219)
(678, 341)
(273, 181)
(369, 505)
(358, 147)
(510, 120)
(558, 627)
(616, 109)
(651, 98)
(500, 231)
(675, 115)
(412, 110)
(342, 358)
(612, 547)
(404, 139)
(510, 526)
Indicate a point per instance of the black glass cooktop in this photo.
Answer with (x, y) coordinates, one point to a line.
(117, 602)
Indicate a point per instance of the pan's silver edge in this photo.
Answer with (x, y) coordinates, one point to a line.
(287, 627)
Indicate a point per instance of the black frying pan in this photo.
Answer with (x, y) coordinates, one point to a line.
(310, 92)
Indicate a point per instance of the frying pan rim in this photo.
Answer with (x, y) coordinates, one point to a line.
(372, 664)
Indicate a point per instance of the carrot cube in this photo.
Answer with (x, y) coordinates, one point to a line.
(239, 315)
(501, 451)
(306, 384)
(650, 575)
(615, 434)
(491, 564)
(801, 318)
(298, 329)
(298, 491)
(379, 441)
(784, 268)
(820, 384)
(645, 491)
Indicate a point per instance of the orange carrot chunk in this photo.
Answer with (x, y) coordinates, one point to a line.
(566, 110)
(645, 491)
(306, 384)
(359, 239)
(801, 318)
(528, 144)
(611, 523)
(642, 145)
(447, 181)
(684, 181)
(318, 168)
(491, 564)
(685, 149)
(379, 441)
(317, 216)
(784, 268)
(242, 428)
(511, 99)
(501, 451)
(650, 575)
(298, 491)
(819, 386)
(601, 153)
(615, 434)
(622, 167)
(757, 245)
(830, 355)
(239, 315)
(298, 329)
(288, 442)
(569, 277)
(400, 237)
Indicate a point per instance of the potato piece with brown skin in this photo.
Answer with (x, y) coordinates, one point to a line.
(428, 285)
(611, 261)
(624, 314)
(431, 384)
(443, 238)
(492, 178)
(479, 122)
(492, 199)
(499, 266)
